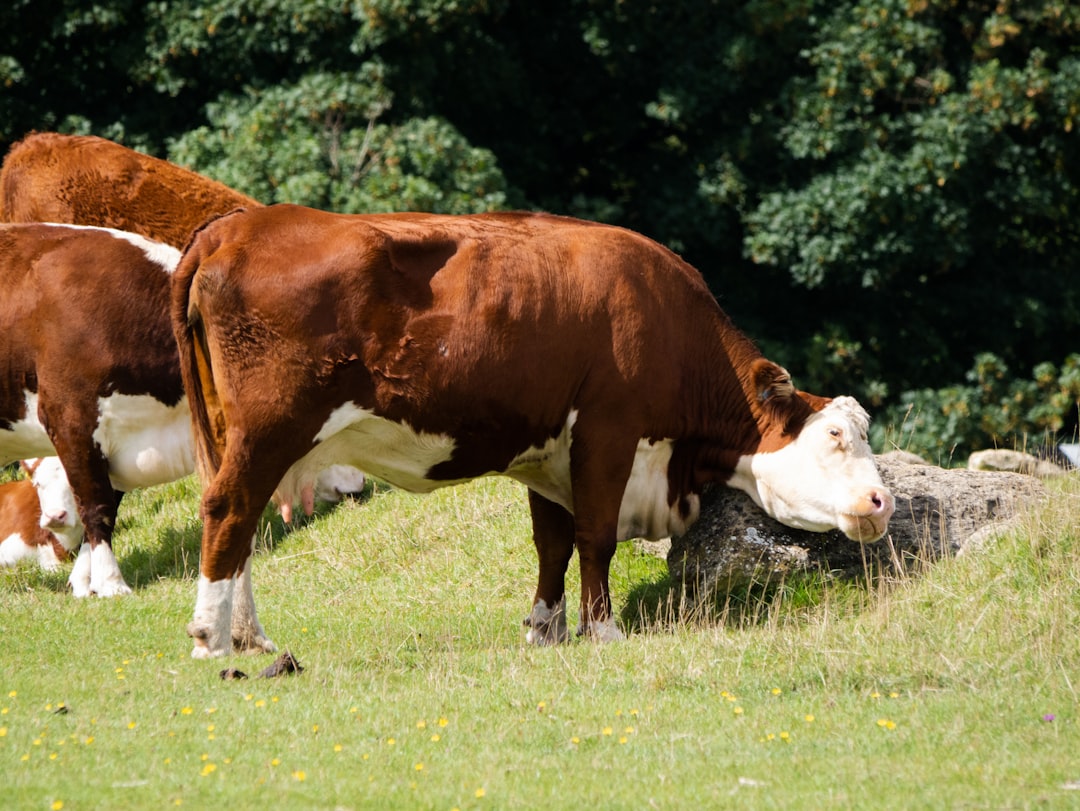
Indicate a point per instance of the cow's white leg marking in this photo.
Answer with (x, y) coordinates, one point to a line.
(248, 635)
(213, 617)
(547, 626)
(79, 579)
(105, 577)
(604, 631)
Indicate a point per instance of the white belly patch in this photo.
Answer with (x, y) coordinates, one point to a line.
(645, 512)
(27, 438)
(402, 457)
(145, 441)
(387, 450)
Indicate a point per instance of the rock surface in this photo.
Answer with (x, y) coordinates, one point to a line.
(1015, 462)
(938, 511)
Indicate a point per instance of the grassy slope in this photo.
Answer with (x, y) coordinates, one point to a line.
(420, 693)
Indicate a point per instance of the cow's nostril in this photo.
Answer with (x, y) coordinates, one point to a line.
(882, 502)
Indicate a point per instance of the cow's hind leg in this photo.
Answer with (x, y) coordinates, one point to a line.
(553, 534)
(88, 475)
(248, 635)
(231, 510)
(600, 464)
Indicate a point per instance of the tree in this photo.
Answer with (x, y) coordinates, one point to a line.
(932, 203)
(878, 191)
(320, 143)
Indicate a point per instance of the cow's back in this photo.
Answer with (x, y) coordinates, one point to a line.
(489, 327)
(79, 305)
(86, 180)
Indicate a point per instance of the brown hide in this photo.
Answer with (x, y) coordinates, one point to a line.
(486, 329)
(81, 318)
(86, 180)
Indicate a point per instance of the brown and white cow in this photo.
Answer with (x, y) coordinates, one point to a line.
(89, 372)
(86, 180)
(583, 360)
(38, 519)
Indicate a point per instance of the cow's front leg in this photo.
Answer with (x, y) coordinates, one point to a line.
(553, 535)
(96, 570)
(79, 579)
(248, 635)
(105, 577)
(597, 622)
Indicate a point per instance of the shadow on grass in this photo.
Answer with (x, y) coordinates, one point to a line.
(177, 555)
(176, 552)
(662, 604)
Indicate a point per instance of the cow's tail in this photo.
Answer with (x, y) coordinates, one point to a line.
(196, 366)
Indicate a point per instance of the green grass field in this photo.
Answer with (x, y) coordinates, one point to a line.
(957, 688)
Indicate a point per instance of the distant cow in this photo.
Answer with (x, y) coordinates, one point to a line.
(89, 372)
(85, 180)
(27, 531)
(583, 360)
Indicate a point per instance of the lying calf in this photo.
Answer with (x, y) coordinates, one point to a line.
(38, 518)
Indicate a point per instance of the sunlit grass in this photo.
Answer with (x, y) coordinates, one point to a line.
(953, 688)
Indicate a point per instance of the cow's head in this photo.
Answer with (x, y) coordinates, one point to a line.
(824, 478)
(59, 513)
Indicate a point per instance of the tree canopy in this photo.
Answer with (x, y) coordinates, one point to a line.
(882, 193)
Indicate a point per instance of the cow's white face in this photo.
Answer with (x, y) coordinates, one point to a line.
(59, 513)
(825, 479)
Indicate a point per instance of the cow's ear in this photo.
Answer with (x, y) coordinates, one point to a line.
(772, 383)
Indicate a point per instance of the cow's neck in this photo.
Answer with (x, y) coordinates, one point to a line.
(735, 420)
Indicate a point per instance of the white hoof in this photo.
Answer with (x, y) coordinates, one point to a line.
(547, 626)
(79, 579)
(605, 631)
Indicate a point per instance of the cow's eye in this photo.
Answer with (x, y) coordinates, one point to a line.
(835, 433)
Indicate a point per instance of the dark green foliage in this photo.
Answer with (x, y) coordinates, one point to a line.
(995, 409)
(877, 191)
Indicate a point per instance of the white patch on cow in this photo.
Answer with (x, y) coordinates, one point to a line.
(105, 577)
(547, 469)
(247, 632)
(46, 558)
(145, 441)
(159, 253)
(27, 437)
(96, 572)
(15, 548)
(645, 511)
(397, 454)
(213, 618)
(388, 450)
(547, 626)
(79, 579)
(823, 480)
